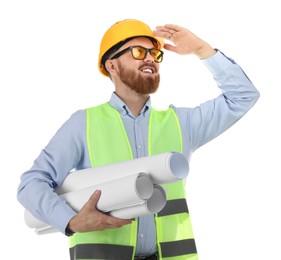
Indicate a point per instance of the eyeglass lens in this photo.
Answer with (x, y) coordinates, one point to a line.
(140, 53)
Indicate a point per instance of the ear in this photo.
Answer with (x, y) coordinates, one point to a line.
(110, 66)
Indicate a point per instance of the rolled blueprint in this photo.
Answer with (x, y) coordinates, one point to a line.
(129, 189)
(162, 168)
(45, 230)
(33, 222)
(116, 194)
(151, 206)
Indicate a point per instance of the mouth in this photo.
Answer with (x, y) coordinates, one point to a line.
(148, 70)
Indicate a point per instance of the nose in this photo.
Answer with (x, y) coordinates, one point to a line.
(148, 57)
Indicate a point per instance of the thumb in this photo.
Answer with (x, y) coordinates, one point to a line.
(170, 47)
(93, 200)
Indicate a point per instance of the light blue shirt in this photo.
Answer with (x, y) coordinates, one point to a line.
(68, 150)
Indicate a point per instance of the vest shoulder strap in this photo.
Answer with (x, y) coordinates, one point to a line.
(104, 142)
(164, 132)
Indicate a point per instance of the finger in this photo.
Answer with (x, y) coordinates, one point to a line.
(169, 28)
(173, 28)
(114, 222)
(170, 47)
(167, 31)
(92, 201)
(161, 31)
(160, 28)
(95, 197)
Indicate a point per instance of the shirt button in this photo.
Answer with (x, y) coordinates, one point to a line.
(139, 147)
(141, 235)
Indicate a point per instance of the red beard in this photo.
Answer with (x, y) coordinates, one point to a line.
(142, 84)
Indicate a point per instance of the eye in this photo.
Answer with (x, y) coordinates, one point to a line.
(155, 53)
(138, 52)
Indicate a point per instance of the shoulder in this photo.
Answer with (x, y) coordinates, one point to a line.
(78, 116)
(75, 122)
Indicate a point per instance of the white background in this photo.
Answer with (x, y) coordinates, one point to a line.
(48, 70)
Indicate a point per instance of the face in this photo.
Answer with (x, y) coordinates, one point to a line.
(139, 75)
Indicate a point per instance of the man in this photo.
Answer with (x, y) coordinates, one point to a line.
(128, 127)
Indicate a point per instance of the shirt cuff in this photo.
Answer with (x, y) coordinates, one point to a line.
(61, 218)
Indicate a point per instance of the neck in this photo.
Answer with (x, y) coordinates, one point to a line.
(133, 100)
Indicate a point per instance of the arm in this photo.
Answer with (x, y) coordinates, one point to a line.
(66, 150)
(211, 118)
(36, 189)
(206, 121)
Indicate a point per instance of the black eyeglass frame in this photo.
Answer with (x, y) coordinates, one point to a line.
(117, 55)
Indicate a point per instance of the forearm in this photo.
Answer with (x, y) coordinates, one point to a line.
(57, 159)
(208, 120)
(45, 205)
(233, 82)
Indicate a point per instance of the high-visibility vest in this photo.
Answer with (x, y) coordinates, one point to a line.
(108, 143)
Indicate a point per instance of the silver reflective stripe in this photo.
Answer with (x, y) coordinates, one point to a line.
(101, 251)
(177, 248)
(174, 207)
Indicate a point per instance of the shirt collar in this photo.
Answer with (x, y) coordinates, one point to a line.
(123, 109)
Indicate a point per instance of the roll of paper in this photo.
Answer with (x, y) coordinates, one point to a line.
(116, 194)
(128, 189)
(45, 230)
(151, 206)
(41, 228)
(33, 222)
(162, 168)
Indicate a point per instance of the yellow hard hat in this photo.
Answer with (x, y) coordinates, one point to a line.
(121, 31)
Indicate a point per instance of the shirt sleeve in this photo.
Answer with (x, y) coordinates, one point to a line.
(211, 118)
(62, 154)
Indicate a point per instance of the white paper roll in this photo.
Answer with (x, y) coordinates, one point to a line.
(115, 194)
(45, 230)
(162, 168)
(33, 222)
(151, 206)
(41, 228)
(129, 189)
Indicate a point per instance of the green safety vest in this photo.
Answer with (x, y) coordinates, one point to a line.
(108, 143)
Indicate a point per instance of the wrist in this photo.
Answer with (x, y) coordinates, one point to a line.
(205, 52)
(68, 231)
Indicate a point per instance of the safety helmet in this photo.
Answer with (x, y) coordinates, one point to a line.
(121, 31)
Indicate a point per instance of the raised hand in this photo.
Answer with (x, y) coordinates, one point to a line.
(185, 42)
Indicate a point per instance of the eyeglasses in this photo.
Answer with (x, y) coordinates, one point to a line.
(139, 53)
